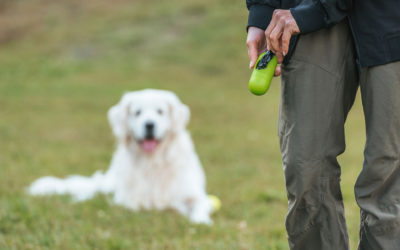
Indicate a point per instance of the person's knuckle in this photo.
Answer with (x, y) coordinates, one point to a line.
(271, 37)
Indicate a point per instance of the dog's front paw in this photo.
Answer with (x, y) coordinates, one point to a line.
(201, 219)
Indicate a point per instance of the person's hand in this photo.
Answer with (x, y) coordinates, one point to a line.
(256, 44)
(279, 31)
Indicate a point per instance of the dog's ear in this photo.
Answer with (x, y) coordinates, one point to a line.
(180, 113)
(117, 116)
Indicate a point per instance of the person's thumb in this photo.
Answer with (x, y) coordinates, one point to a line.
(278, 70)
(253, 54)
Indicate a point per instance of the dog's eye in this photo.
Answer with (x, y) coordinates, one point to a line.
(159, 111)
(137, 113)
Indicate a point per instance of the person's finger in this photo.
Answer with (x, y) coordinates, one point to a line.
(278, 70)
(275, 36)
(270, 27)
(263, 47)
(279, 57)
(253, 53)
(287, 33)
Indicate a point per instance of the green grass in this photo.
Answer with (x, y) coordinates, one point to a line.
(62, 65)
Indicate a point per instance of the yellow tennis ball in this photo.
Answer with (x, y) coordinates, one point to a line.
(215, 202)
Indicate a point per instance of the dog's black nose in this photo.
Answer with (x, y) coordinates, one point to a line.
(149, 126)
(149, 130)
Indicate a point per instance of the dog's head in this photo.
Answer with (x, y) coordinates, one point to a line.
(148, 117)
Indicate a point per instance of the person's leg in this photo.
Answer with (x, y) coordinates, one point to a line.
(318, 89)
(377, 188)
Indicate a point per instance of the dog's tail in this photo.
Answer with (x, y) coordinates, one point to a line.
(79, 187)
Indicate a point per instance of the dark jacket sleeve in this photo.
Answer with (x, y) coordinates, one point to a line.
(260, 12)
(310, 15)
(313, 15)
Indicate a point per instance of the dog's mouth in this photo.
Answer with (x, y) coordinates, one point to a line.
(149, 145)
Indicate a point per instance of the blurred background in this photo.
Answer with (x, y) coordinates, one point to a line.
(64, 63)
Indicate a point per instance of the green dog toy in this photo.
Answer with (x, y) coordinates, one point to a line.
(263, 72)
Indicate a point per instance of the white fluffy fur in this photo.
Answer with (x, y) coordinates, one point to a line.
(169, 177)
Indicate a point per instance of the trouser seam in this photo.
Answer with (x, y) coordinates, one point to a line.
(304, 60)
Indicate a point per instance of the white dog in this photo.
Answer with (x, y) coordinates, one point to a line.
(154, 166)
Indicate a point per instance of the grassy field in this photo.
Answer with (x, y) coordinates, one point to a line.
(64, 63)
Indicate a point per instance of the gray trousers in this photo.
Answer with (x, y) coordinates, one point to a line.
(318, 89)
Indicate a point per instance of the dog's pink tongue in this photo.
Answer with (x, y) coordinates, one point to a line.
(149, 145)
